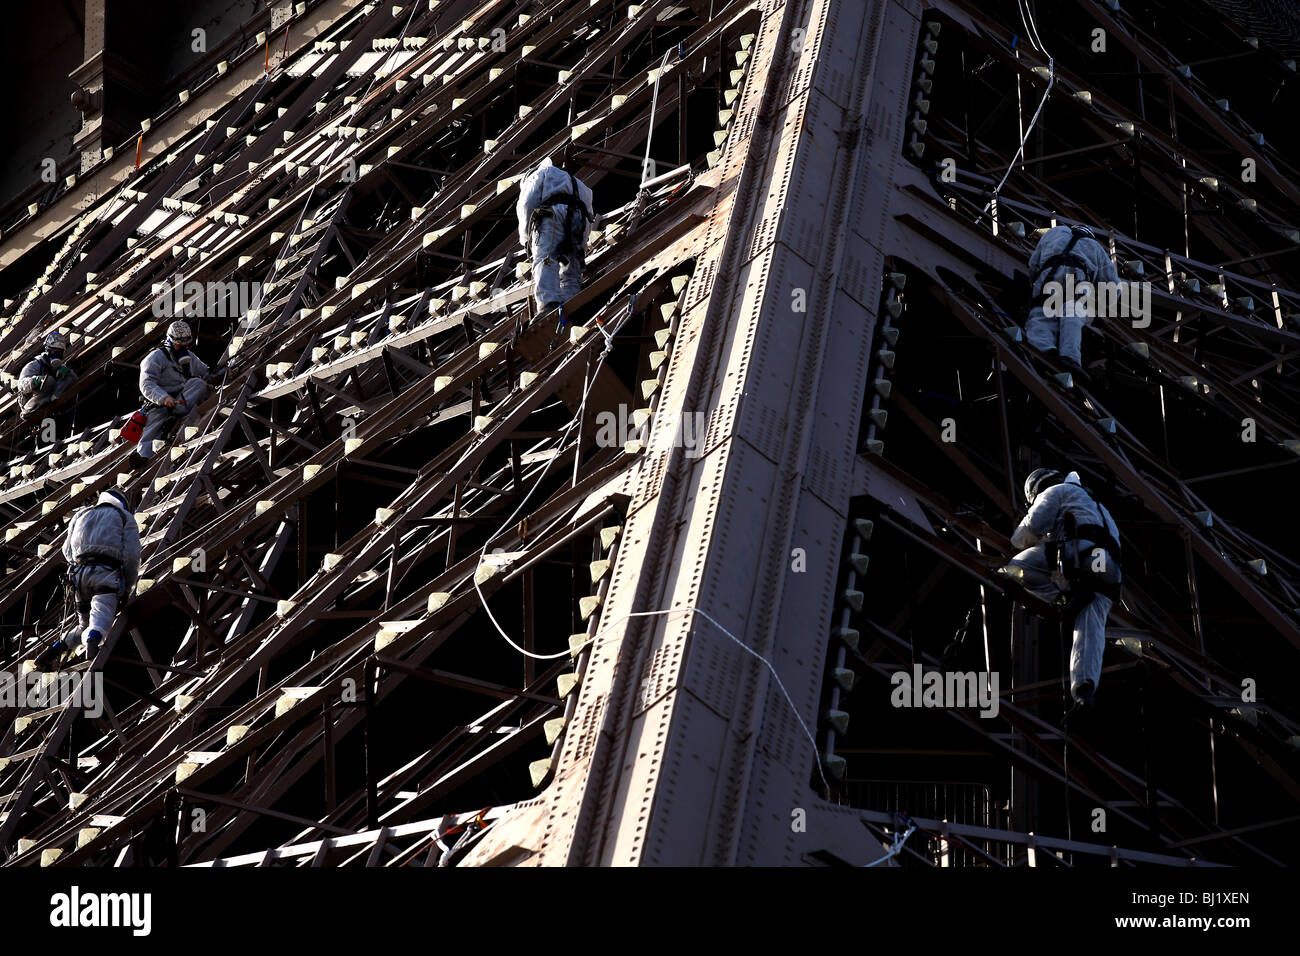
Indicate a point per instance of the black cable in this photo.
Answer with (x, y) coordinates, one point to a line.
(1065, 729)
(951, 652)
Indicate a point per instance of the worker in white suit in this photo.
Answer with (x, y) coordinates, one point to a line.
(1065, 269)
(1070, 555)
(555, 214)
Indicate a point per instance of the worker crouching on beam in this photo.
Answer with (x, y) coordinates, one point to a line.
(173, 382)
(45, 378)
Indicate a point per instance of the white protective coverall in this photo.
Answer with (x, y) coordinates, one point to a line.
(169, 372)
(1044, 525)
(555, 232)
(1062, 329)
(103, 554)
(42, 381)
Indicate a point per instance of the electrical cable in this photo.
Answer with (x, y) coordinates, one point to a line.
(1051, 81)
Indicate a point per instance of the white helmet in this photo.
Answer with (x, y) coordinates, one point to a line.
(179, 333)
(114, 496)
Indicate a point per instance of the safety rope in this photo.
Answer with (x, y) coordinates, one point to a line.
(897, 846)
(609, 344)
(1037, 42)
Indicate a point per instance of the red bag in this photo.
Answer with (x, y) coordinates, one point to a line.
(134, 427)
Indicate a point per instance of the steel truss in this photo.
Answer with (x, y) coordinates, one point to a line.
(396, 446)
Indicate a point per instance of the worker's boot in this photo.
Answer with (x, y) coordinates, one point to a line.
(540, 313)
(1055, 360)
(90, 646)
(1082, 693)
(48, 659)
(1013, 579)
(1074, 368)
(173, 427)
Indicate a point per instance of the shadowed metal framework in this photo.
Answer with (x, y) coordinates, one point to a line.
(811, 266)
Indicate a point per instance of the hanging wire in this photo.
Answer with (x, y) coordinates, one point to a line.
(896, 848)
(1032, 34)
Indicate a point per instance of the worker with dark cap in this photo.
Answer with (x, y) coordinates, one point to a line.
(173, 382)
(45, 378)
(1070, 556)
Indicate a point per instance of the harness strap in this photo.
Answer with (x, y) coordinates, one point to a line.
(98, 561)
(566, 199)
(91, 561)
(1099, 536)
(1083, 581)
(1082, 591)
(1063, 258)
(573, 202)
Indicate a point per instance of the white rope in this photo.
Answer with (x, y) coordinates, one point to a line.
(609, 342)
(654, 104)
(897, 848)
(1027, 10)
(1051, 81)
(592, 642)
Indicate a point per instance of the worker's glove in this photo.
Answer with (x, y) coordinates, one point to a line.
(38, 383)
(63, 372)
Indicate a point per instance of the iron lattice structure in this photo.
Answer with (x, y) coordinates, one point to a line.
(788, 311)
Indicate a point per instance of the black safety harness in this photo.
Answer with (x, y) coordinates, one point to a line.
(570, 199)
(91, 559)
(1063, 258)
(1078, 567)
